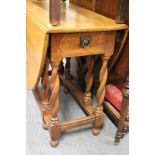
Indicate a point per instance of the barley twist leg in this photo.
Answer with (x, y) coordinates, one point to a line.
(89, 80)
(100, 96)
(45, 94)
(54, 126)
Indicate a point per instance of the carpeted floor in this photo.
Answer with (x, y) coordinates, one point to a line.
(75, 142)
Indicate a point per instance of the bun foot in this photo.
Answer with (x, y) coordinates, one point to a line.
(117, 140)
(54, 143)
(95, 132)
(66, 91)
(45, 127)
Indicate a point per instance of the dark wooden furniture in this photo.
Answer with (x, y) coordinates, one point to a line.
(55, 12)
(79, 32)
(88, 4)
(116, 105)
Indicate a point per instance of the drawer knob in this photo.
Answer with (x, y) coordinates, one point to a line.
(85, 42)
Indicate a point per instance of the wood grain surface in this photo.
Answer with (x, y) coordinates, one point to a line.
(36, 47)
(101, 42)
(73, 18)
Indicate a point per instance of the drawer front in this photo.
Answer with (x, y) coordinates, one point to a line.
(81, 44)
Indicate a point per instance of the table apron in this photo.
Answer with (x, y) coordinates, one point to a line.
(69, 44)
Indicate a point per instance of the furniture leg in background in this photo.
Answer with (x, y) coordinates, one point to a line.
(55, 12)
(67, 73)
(125, 106)
(89, 80)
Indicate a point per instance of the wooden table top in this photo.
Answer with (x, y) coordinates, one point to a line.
(73, 18)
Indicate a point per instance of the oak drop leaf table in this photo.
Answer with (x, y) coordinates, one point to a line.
(80, 33)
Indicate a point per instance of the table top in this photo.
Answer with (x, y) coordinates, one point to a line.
(73, 18)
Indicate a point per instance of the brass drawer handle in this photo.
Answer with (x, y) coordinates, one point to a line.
(85, 41)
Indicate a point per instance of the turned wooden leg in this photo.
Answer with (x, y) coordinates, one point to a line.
(54, 126)
(100, 96)
(125, 106)
(43, 98)
(67, 73)
(89, 81)
(45, 94)
(61, 70)
(45, 84)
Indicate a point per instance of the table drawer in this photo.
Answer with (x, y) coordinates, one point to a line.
(81, 44)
